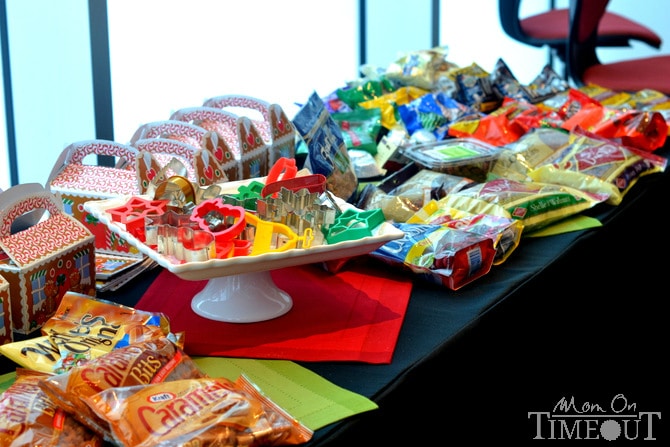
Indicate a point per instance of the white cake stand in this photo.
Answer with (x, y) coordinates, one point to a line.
(242, 298)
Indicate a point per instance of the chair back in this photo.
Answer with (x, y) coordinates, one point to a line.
(508, 13)
(585, 16)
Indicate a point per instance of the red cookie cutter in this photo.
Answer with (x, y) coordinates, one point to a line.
(231, 217)
(314, 183)
(133, 213)
(284, 165)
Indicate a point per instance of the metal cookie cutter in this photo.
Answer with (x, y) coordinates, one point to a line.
(298, 210)
(185, 244)
(246, 197)
(171, 218)
(354, 225)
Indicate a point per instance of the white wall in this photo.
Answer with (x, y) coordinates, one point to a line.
(169, 54)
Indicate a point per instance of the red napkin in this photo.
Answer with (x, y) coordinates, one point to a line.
(351, 315)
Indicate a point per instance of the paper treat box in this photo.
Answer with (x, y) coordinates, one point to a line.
(77, 181)
(246, 154)
(271, 121)
(6, 332)
(44, 252)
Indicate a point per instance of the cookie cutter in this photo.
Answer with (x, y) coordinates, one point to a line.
(299, 210)
(177, 190)
(314, 183)
(224, 221)
(247, 196)
(133, 213)
(354, 225)
(269, 237)
(285, 167)
(185, 244)
(181, 193)
(172, 218)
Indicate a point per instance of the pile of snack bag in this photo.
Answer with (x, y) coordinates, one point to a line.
(487, 157)
(104, 372)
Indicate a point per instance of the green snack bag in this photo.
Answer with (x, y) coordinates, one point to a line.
(360, 128)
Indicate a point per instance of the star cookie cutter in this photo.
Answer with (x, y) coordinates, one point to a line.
(133, 213)
(354, 225)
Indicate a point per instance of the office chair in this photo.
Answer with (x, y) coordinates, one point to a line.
(551, 29)
(584, 66)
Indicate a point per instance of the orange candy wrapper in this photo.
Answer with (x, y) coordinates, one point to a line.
(136, 364)
(28, 417)
(204, 411)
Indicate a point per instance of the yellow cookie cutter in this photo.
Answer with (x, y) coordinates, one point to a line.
(270, 237)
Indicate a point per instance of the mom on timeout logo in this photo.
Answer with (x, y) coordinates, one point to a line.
(615, 420)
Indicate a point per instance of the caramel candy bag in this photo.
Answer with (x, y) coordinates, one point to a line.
(28, 417)
(140, 363)
(196, 412)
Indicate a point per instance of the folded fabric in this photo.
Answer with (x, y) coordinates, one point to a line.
(352, 315)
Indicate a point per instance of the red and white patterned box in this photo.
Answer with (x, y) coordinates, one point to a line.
(6, 332)
(76, 182)
(44, 253)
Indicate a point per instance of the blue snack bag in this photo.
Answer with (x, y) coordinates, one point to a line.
(327, 151)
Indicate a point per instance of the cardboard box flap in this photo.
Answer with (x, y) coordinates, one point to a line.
(29, 244)
(270, 120)
(77, 152)
(172, 129)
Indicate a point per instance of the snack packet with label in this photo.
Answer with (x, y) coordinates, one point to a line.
(327, 151)
(84, 328)
(196, 412)
(29, 418)
(505, 232)
(535, 204)
(140, 363)
(442, 255)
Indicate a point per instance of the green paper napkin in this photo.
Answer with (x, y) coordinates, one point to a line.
(6, 380)
(308, 397)
(573, 223)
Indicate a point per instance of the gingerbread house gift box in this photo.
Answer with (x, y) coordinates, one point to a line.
(77, 180)
(6, 332)
(44, 252)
